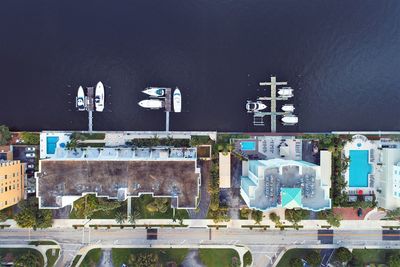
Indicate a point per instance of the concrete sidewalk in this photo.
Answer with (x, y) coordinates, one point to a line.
(234, 224)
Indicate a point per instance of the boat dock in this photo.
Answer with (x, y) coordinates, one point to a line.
(168, 107)
(258, 116)
(90, 107)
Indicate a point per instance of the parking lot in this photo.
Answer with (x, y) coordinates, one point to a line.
(28, 154)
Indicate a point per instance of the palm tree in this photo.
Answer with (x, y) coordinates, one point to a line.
(120, 217)
(133, 217)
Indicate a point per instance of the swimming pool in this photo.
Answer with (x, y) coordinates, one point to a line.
(51, 144)
(359, 168)
(248, 145)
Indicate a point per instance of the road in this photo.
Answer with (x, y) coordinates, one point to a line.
(264, 244)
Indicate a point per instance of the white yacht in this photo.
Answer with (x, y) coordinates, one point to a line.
(80, 99)
(177, 99)
(290, 120)
(288, 108)
(99, 97)
(155, 91)
(286, 92)
(257, 106)
(151, 103)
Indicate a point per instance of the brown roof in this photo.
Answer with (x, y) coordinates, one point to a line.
(75, 177)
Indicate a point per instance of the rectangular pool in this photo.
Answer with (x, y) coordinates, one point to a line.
(51, 144)
(359, 168)
(248, 145)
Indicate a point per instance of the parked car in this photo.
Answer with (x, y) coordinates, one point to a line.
(30, 149)
(30, 155)
(30, 190)
(30, 166)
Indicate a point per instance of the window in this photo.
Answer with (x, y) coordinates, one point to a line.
(9, 187)
(5, 188)
(5, 176)
(6, 202)
(13, 186)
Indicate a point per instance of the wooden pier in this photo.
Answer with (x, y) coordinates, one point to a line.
(90, 107)
(258, 119)
(168, 107)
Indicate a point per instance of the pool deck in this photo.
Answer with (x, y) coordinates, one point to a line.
(366, 145)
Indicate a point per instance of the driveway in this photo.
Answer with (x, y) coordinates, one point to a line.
(204, 195)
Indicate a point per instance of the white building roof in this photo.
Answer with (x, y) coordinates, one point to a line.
(225, 170)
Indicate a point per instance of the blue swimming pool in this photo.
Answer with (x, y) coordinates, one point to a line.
(51, 144)
(359, 168)
(248, 145)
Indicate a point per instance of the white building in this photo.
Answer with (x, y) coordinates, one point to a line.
(267, 184)
(388, 191)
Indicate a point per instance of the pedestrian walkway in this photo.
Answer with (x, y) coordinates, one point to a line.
(205, 223)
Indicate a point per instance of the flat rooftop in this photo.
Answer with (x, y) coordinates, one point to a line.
(69, 178)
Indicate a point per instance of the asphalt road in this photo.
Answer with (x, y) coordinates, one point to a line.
(264, 245)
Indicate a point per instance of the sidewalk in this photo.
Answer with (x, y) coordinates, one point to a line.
(233, 224)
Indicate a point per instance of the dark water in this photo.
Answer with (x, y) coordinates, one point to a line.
(342, 57)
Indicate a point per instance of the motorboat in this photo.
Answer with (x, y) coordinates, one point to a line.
(99, 97)
(290, 120)
(151, 103)
(177, 99)
(80, 99)
(286, 92)
(288, 108)
(257, 106)
(155, 91)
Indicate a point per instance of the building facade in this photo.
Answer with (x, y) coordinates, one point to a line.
(12, 175)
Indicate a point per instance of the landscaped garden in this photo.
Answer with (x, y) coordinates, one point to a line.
(150, 207)
(22, 257)
(143, 207)
(294, 257)
(375, 257)
(174, 257)
(93, 207)
(148, 257)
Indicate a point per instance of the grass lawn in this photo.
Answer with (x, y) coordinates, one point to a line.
(94, 136)
(363, 257)
(40, 242)
(122, 255)
(92, 258)
(291, 254)
(75, 261)
(50, 258)
(17, 252)
(218, 257)
(139, 203)
(247, 259)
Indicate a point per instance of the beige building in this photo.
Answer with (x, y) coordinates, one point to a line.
(12, 173)
(225, 170)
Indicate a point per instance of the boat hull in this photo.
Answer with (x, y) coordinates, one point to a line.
(99, 97)
(177, 98)
(80, 99)
(151, 104)
(154, 91)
